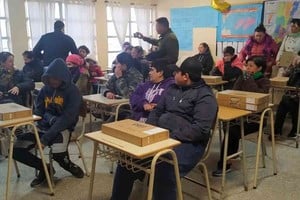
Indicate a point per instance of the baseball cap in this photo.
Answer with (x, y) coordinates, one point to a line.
(191, 66)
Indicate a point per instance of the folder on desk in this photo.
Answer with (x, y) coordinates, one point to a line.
(286, 59)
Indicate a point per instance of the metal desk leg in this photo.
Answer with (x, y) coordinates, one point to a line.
(11, 146)
(225, 158)
(38, 142)
(220, 134)
(92, 175)
(243, 155)
(259, 141)
(298, 127)
(176, 170)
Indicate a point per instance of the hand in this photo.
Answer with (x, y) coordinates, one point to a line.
(154, 105)
(118, 72)
(15, 90)
(110, 95)
(148, 107)
(138, 35)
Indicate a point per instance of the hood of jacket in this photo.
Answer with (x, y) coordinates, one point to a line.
(57, 69)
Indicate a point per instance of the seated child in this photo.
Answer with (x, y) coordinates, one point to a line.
(230, 67)
(252, 80)
(33, 68)
(14, 84)
(94, 71)
(145, 98)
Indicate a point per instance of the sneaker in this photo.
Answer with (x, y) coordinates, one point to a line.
(218, 172)
(41, 178)
(76, 171)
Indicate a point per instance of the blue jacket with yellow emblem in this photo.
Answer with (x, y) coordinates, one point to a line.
(58, 107)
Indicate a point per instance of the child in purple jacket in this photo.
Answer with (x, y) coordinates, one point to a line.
(145, 98)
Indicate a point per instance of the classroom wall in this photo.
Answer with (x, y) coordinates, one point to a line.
(19, 39)
(163, 9)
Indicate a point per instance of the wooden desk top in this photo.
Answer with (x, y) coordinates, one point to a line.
(131, 149)
(13, 122)
(217, 83)
(228, 113)
(100, 99)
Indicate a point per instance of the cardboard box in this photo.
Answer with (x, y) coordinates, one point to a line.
(286, 59)
(234, 103)
(135, 132)
(243, 100)
(279, 81)
(9, 111)
(211, 79)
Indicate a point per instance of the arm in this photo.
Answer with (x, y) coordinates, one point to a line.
(38, 48)
(73, 47)
(151, 40)
(110, 85)
(128, 83)
(158, 111)
(26, 84)
(250, 85)
(231, 73)
(208, 63)
(243, 54)
(137, 99)
(216, 72)
(39, 104)
(67, 119)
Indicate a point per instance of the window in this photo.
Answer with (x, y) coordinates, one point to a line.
(78, 16)
(4, 27)
(114, 46)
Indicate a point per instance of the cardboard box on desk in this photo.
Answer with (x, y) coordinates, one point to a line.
(10, 111)
(279, 81)
(212, 79)
(243, 100)
(135, 132)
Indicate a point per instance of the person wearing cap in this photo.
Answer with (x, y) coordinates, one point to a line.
(290, 43)
(260, 44)
(230, 67)
(54, 45)
(168, 47)
(58, 103)
(188, 110)
(145, 98)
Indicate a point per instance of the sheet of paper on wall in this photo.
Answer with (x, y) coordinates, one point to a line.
(286, 59)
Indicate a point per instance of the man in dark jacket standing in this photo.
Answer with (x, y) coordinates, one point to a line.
(188, 110)
(58, 103)
(168, 47)
(55, 45)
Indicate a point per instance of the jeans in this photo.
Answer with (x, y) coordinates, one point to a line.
(188, 155)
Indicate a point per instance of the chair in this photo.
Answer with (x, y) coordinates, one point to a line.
(202, 166)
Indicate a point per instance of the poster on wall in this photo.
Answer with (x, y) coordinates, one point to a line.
(239, 23)
(277, 15)
(183, 20)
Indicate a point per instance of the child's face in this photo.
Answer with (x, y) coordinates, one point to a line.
(26, 59)
(227, 57)
(134, 53)
(201, 48)
(82, 53)
(252, 68)
(69, 64)
(154, 75)
(9, 63)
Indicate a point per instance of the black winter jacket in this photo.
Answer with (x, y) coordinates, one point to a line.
(188, 112)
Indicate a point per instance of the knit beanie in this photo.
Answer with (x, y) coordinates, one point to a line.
(75, 59)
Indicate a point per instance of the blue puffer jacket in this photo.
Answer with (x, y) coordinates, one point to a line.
(59, 107)
(188, 112)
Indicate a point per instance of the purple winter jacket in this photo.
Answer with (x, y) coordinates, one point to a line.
(147, 92)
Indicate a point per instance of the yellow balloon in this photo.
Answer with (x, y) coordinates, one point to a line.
(220, 5)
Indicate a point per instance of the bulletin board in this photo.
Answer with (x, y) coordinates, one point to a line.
(277, 15)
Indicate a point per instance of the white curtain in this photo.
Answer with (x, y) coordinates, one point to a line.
(80, 23)
(142, 19)
(120, 17)
(41, 18)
